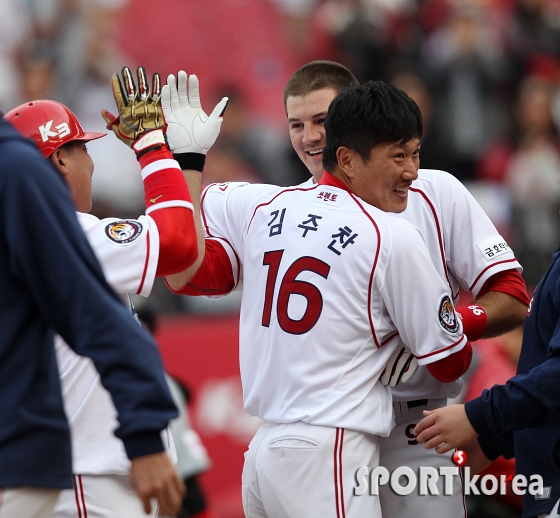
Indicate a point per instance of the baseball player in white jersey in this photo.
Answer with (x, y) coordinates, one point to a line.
(466, 250)
(326, 281)
(132, 253)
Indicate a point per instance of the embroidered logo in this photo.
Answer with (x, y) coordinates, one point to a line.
(447, 316)
(153, 200)
(124, 231)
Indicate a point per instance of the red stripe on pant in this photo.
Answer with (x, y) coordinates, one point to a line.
(80, 497)
(338, 482)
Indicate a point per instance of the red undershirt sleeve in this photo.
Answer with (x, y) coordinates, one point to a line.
(168, 202)
(508, 281)
(453, 367)
(215, 275)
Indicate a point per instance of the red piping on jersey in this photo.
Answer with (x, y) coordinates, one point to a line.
(215, 237)
(372, 270)
(338, 482)
(487, 268)
(272, 199)
(442, 350)
(389, 338)
(145, 264)
(329, 179)
(440, 239)
(202, 209)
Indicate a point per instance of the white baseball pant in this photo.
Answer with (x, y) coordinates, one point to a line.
(402, 449)
(30, 502)
(101, 496)
(299, 470)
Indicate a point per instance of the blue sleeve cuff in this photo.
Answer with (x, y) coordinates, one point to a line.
(493, 447)
(143, 443)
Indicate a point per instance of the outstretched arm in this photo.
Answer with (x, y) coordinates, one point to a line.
(190, 133)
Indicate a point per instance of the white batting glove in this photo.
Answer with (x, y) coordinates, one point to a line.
(189, 129)
(401, 366)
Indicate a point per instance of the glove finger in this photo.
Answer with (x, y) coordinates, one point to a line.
(194, 93)
(156, 87)
(219, 109)
(175, 105)
(166, 101)
(399, 367)
(142, 83)
(182, 88)
(409, 372)
(118, 92)
(129, 86)
(109, 118)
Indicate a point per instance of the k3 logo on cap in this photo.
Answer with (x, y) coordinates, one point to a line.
(447, 316)
(46, 132)
(124, 231)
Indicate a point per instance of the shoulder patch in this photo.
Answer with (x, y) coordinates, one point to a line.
(124, 231)
(448, 319)
(493, 247)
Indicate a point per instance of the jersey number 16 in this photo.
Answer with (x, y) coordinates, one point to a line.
(291, 286)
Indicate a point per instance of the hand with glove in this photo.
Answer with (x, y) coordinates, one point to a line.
(401, 366)
(190, 132)
(140, 123)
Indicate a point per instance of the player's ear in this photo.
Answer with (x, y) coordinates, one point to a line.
(346, 158)
(59, 159)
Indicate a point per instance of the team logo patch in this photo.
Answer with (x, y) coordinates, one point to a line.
(447, 316)
(124, 231)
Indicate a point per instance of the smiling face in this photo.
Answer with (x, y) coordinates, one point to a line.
(383, 181)
(306, 115)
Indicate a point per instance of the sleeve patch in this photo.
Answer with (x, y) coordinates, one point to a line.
(124, 231)
(493, 247)
(447, 317)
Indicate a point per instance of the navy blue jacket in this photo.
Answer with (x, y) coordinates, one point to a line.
(522, 417)
(50, 280)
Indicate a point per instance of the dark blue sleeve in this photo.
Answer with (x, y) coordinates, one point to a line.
(49, 254)
(493, 447)
(525, 401)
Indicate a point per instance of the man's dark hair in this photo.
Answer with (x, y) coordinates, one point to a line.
(362, 117)
(317, 75)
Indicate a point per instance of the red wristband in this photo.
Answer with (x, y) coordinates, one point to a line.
(474, 320)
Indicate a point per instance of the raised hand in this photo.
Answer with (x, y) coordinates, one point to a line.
(189, 129)
(140, 122)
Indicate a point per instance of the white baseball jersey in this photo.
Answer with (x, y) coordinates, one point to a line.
(466, 250)
(128, 252)
(326, 285)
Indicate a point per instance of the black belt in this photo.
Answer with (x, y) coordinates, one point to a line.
(416, 402)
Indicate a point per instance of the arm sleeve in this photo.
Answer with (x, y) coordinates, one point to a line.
(168, 202)
(508, 281)
(475, 251)
(419, 303)
(493, 447)
(48, 253)
(218, 274)
(525, 401)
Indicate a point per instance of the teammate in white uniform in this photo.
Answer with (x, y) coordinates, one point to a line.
(466, 250)
(325, 293)
(132, 253)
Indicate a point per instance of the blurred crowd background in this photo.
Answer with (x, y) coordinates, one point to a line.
(485, 73)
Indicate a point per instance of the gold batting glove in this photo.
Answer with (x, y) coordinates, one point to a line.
(140, 123)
